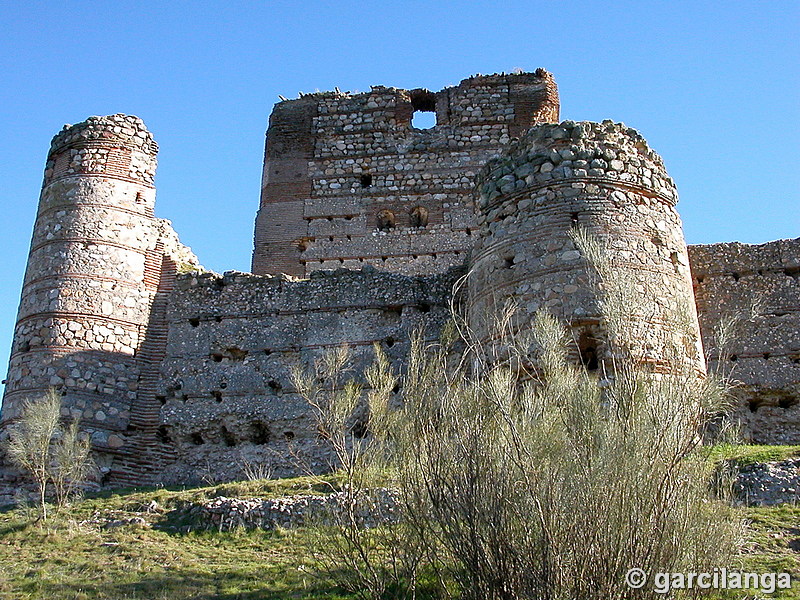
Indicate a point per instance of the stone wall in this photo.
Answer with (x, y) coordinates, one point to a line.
(349, 181)
(603, 178)
(178, 380)
(228, 400)
(757, 289)
(97, 263)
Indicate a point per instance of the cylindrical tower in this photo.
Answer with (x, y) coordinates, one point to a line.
(92, 272)
(604, 178)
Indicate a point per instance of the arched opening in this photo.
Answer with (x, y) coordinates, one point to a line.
(359, 428)
(419, 216)
(386, 220)
(587, 348)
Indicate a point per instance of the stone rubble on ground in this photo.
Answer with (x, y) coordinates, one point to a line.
(769, 484)
(370, 509)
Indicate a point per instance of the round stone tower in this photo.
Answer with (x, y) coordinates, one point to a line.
(602, 178)
(93, 270)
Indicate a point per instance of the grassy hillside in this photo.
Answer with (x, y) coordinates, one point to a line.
(139, 545)
(93, 554)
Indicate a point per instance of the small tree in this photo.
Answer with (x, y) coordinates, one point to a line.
(48, 452)
(28, 446)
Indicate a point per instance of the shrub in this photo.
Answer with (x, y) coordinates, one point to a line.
(49, 452)
(547, 483)
(368, 561)
(555, 488)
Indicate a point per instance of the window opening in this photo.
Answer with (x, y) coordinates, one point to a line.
(587, 345)
(424, 104)
(386, 220)
(423, 120)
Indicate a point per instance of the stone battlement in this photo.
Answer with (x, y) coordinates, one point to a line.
(117, 145)
(570, 151)
(128, 130)
(603, 178)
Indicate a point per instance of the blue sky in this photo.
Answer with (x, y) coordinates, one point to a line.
(713, 86)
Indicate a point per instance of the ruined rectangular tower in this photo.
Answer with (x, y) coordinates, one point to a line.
(348, 180)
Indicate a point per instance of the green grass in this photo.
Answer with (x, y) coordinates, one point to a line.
(82, 562)
(773, 546)
(747, 454)
(773, 533)
(75, 558)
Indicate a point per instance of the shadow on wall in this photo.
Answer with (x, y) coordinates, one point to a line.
(102, 390)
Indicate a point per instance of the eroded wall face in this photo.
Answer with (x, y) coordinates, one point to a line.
(180, 382)
(755, 289)
(348, 180)
(229, 404)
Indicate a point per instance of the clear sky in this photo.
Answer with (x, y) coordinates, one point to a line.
(713, 86)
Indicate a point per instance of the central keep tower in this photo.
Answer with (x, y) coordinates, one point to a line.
(349, 180)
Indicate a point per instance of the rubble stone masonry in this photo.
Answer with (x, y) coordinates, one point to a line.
(603, 178)
(349, 181)
(86, 325)
(366, 225)
(755, 290)
(226, 385)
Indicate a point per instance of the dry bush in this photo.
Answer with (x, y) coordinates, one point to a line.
(368, 561)
(71, 464)
(555, 488)
(549, 484)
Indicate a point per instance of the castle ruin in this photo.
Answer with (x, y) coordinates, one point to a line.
(365, 226)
